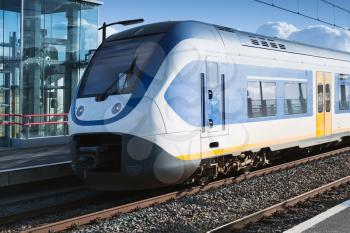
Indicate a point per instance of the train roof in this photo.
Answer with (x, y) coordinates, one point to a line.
(245, 38)
(275, 43)
(154, 28)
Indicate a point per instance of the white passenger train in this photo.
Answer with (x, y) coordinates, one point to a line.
(173, 102)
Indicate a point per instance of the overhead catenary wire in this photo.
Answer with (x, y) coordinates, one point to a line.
(335, 6)
(317, 18)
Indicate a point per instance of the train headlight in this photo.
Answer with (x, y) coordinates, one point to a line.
(80, 111)
(116, 108)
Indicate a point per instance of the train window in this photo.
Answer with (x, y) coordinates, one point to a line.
(344, 92)
(295, 98)
(320, 98)
(213, 76)
(261, 99)
(328, 97)
(116, 66)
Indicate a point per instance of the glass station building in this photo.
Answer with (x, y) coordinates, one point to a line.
(44, 48)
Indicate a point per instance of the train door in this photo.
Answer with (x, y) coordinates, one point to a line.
(324, 104)
(213, 105)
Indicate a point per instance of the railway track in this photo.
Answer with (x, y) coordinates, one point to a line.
(10, 218)
(111, 212)
(37, 190)
(12, 196)
(282, 206)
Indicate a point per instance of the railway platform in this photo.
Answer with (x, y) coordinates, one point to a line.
(20, 166)
(336, 219)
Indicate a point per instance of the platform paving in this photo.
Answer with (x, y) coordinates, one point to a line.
(21, 158)
(18, 166)
(334, 220)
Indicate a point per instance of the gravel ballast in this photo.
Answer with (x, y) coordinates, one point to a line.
(204, 211)
(283, 221)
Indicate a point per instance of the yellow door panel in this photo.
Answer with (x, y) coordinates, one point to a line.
(320, 113)
(324, 104)
(320, 130)
(328, 103)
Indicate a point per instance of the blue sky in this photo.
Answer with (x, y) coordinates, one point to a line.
(246, 15)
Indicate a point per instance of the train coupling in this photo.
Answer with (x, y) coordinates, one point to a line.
(88, 157)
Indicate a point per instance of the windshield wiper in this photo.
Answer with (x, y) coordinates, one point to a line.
(107, 92)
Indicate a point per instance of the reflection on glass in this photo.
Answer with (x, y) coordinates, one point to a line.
(2, 99)
(295, 98)
(261, 99)
(88, 31)
(113, 63)
(320, 98)
(58, 36)
(344, 97)
(328, 98)
(10, 51)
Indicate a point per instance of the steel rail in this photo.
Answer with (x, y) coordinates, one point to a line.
(255, 217)
(111, 212)
(39, 190)
(7, 219)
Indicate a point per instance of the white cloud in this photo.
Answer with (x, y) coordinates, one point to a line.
(323, 36)
(279, 29)
(319, 35)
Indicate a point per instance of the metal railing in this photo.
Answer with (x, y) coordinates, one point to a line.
(27, 121)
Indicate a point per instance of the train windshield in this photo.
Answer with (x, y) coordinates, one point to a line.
(117, 66)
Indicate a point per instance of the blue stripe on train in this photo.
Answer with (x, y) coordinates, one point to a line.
(184, 96)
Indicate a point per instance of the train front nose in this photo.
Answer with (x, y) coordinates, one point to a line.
(96, 152)
(102, 157)
(120, 162)
(112, 162)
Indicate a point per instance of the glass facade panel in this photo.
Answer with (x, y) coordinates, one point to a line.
(10, 57)
(40, 69)
(53, 68)
(88, 33)
(2, 108)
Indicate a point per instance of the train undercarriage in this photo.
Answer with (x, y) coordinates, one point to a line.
(225, 165)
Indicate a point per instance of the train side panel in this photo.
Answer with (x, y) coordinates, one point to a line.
(275, 132)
